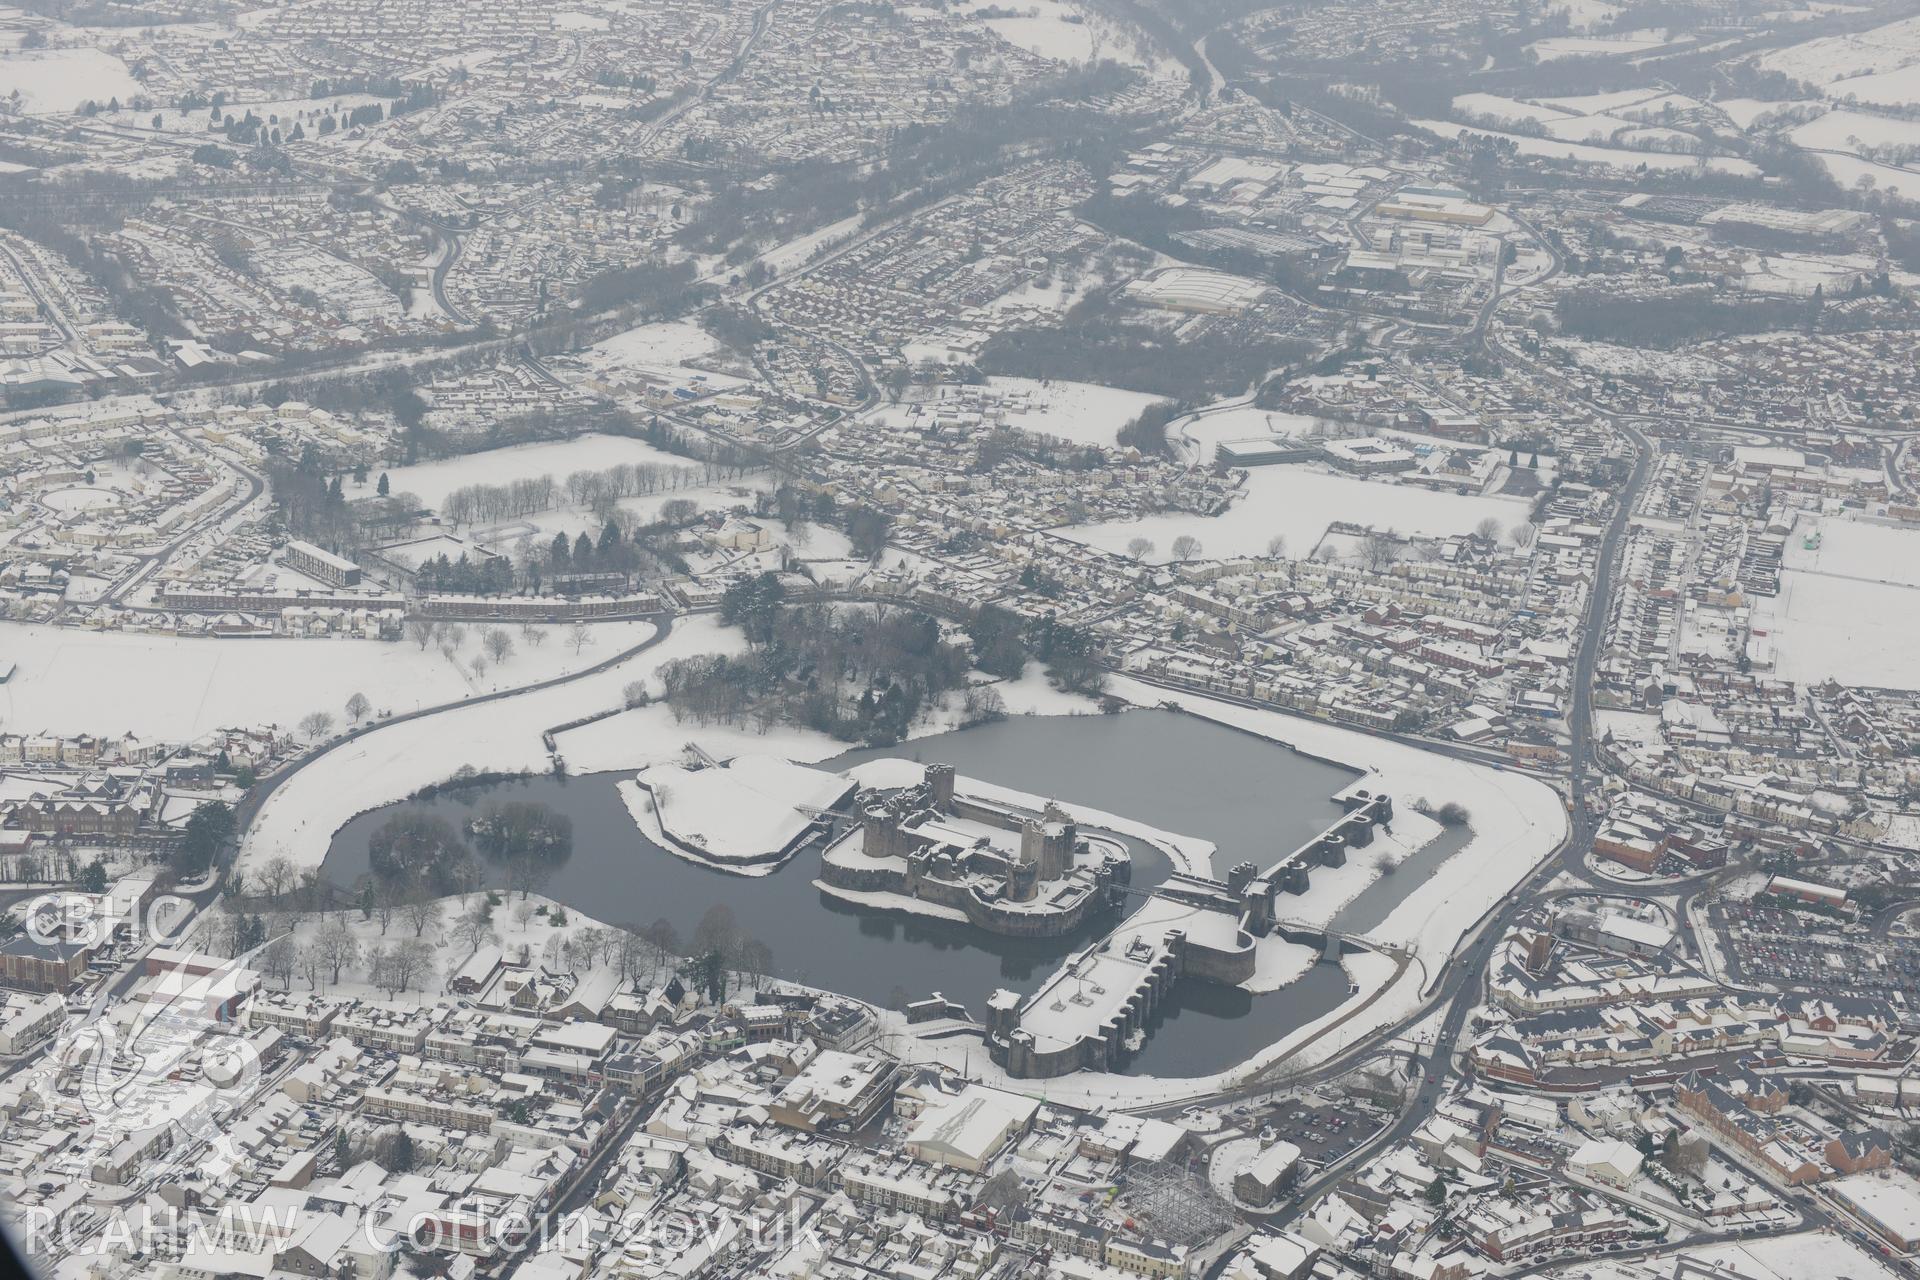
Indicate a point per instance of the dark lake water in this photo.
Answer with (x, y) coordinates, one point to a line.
(1252, 798)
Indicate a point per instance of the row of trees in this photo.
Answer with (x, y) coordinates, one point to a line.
(495, 642)
(624, 547)
(593, 489)
(492, 575)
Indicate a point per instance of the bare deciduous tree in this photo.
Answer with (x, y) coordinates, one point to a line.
(422, 911)
(278, 959)
(586, 943)
(634, 953)
(337, 949)
(466, 873)
(380, 968)
(311, 962)
(1378, 550)
(407, 962)
(277, 875)
(473, 931)
(222, 929)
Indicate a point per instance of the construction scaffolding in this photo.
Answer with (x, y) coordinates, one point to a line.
(1176, 1205)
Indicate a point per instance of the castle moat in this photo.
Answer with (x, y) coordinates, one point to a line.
(1255, 800)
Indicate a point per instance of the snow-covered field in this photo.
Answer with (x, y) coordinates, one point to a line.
(175, 687)
(1855, 632)
(1858, 549)
(1618, 100)
(1630, 117)
(794, 253)
(1499, 110)
(1654, 135)
(1801, 273)
(1851, 173)
(1653, 108)
(1071, 33)
(1078, 412)
(1897, 88)
(1598, 128)
(1299, 504)
(1750, 112)
(672, 350)
(49, 81)
(1598, 46)
(1856, 131)
(667, 342)
(431, 482)
(1832, 58)
(752, 809)
(1616, 157)
(1049, 34)
(1849, 609)
(1045, 294)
